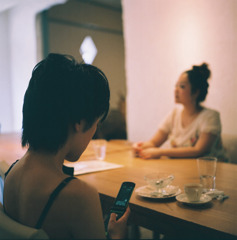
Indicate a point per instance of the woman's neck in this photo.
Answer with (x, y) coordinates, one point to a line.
(54, 161)
(192, 109)
(189, 114)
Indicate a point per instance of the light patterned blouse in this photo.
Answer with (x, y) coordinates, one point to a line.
(207, 121)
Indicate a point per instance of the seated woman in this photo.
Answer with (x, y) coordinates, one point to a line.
(62, 106)
(191, 130)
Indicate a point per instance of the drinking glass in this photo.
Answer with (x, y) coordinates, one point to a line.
(207, 172)
(99, 146)
(159, 180)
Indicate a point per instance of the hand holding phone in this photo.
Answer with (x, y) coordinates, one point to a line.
(121, 202)
(118, 229)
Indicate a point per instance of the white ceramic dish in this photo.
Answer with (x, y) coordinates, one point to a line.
(184, 199)
(148, 192)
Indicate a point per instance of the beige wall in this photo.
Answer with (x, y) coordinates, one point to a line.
(70, 23)
(18, 56)
(164, 38)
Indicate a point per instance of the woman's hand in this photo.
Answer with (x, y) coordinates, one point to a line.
(149, 153)
(117, 229)
(140, 146)
(137, 147)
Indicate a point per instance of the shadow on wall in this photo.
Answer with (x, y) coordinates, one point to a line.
(114, 126)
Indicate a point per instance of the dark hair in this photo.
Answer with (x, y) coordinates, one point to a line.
(62, 92)
(198, 77)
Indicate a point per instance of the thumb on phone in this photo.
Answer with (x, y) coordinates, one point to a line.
(113, 217)
(126, 215)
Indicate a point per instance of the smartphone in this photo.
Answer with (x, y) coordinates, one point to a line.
(121, 202)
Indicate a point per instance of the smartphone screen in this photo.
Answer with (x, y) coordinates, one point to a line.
(122, 199)
(125, 192)
(121, 202)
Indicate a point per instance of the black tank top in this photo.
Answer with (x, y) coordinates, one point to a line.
(52, 196)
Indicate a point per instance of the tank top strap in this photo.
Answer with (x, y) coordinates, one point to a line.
(9, 169)
(52, 197)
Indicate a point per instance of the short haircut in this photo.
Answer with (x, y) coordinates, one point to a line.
(62, 92)
(198, 78)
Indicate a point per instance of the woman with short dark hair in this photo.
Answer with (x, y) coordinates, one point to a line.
(63, 104)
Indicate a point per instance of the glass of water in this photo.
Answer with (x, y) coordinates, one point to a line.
(99, 146)
(207, 172)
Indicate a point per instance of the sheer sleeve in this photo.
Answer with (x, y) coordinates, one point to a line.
(211, 123)
(167, 123)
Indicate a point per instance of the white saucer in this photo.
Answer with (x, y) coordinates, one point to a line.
(184, 199)
(148, 192)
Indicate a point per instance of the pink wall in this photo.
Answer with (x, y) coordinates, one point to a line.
(164, 38)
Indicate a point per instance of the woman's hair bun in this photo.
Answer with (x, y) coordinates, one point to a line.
(203, 70)
(198, 77)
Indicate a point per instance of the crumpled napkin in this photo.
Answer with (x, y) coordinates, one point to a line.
(217, 194)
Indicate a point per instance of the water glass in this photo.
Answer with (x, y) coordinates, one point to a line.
(207, 172)
(99, 146)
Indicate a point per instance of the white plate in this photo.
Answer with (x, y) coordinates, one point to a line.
(184, 199)
(148, 192)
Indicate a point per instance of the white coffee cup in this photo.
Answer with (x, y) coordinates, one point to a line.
(193, 191)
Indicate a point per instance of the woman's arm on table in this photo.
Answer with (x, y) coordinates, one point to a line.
(159, 138)
(202, 146)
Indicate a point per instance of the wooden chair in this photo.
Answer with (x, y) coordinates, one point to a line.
(10, 229)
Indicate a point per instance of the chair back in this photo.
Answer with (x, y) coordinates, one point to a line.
(3, 168)
(230, 144)
(11, 229)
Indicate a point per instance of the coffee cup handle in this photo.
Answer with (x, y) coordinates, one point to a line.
(197, 192)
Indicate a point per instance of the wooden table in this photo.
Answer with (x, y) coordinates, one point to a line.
(215, 220)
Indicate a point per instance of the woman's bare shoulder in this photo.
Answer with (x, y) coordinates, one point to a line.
(80, 207)
(78, 191)
(78, 183)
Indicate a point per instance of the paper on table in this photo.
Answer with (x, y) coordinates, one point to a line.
(83, 167)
